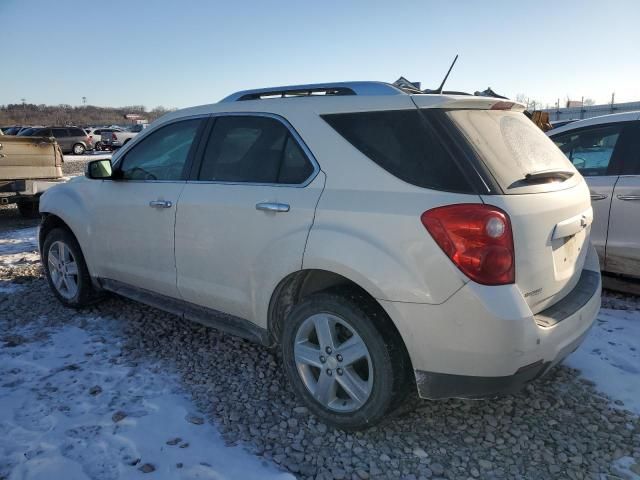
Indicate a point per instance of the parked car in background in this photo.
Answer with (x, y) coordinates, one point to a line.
(12, 130)
(606, 151)
(95, 134)
(71, 139)
(561, 123)
(28, 166)
(27, 132)
(388, 242)
(116, 139)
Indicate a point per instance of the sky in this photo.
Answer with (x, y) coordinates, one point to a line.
(180, 53)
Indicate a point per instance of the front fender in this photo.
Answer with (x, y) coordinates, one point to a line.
(69, 202)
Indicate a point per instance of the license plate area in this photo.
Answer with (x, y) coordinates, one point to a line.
(566, 254)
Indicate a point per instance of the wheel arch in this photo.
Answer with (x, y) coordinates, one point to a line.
(298, 285)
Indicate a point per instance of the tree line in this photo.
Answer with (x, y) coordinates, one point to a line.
(31, 114)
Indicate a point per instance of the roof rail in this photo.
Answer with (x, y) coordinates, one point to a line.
(316, 89)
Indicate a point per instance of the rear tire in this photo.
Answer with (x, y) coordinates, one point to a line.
(66, 270)
(29, 208)
(78, 149)
(348, 395)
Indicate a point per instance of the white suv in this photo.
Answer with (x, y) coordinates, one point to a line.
(386, 241)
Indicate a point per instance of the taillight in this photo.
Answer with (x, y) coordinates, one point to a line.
(113, 136)
(477, 238)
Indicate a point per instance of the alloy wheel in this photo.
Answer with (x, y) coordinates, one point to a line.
(333, 362)
(63, 269)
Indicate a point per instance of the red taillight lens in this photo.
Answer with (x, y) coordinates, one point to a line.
(477, 238)
(114, 136)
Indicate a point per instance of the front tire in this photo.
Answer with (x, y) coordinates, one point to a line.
(78, 149)
(66, 270)
(338, 361)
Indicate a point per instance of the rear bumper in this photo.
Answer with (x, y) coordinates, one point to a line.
(485, 340)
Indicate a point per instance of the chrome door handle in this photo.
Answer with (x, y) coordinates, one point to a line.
(598, 196)
(273, 207)
(629, 197)
(160, 204)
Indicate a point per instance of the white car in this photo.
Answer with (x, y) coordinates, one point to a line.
(606, 151)
(388, 242)
(95, 134)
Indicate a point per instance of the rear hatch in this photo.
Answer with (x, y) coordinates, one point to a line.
(545, 197)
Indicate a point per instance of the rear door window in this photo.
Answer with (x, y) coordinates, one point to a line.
(253, 149)
(590, 150)
(403, 143)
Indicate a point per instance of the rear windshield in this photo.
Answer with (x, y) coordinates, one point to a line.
(405, 145)
(510, 144)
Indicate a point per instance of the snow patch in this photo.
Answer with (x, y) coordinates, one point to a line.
(19, 246)
(610, 356)
(72, 409)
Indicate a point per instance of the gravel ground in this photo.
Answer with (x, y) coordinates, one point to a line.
(559, 427)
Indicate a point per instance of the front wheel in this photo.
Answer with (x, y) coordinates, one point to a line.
(98, 147)
(78, 149)
(66, 270)
(338, 361)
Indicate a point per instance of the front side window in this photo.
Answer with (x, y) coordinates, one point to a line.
(590, 150)
(162, 155)
(253, 149)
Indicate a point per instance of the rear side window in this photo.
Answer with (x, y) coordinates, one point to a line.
(60, 132)
(403, 143)
(253, 149)
(77, 132)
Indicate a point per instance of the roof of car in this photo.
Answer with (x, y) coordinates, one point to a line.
(339, 97)
(603, 119)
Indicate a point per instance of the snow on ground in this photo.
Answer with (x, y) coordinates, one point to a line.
(71, 408)
(610, 356)
(19, 246)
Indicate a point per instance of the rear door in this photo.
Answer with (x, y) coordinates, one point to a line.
(595, 152)
(623, 243)
(243, 219)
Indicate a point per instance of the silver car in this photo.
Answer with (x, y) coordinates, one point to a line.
(606, 151)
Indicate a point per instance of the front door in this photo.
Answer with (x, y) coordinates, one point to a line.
(243, 221)
(135, 214)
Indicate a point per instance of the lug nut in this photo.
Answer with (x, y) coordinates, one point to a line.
(329, 372)
(322, 358)
(339, 370)
(339, 357)
(328, 350)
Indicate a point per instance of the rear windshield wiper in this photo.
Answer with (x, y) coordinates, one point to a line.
(543, 176)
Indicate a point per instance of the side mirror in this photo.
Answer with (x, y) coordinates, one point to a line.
(99, 170)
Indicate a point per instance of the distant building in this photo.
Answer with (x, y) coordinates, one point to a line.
(578, 112)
